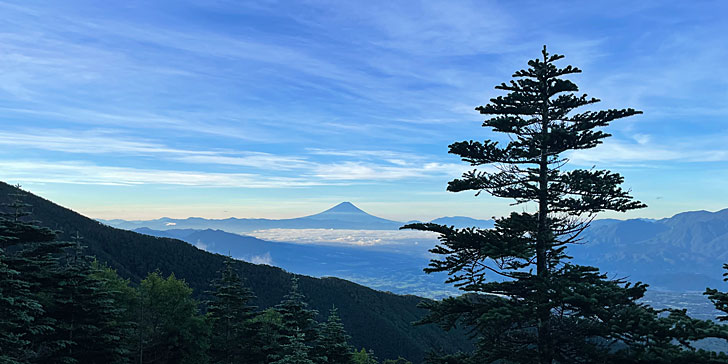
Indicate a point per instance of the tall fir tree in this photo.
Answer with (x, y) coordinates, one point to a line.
(18, 312)
(296, 317)
(332, 345)
(233, 332)
(527, 302)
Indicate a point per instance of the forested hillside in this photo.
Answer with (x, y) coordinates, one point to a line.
(375, 320)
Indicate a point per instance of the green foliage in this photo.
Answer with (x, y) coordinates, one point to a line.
(234, 334)
(399, 360)
(296, 317)
(18, 311)
(719, 299)
(85, 313)
(269, 325)
(65, 312)
(169, 326)
(527, 302)
(295, 351)
(364, 357)
(332, 343)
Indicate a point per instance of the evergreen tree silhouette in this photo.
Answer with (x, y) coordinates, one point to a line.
(525, 300)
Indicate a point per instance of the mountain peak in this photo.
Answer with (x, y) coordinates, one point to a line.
(347, 212)
(345, 207)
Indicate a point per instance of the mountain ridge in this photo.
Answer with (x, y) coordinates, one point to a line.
(376, 320)
(344, 215)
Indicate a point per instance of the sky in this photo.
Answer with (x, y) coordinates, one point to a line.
(143, 109)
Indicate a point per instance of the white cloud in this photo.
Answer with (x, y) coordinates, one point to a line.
(261, 259)
(200, 245)
(345, 237)
(643, 151)
(361, 171)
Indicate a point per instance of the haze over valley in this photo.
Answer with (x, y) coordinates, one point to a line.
(345, 241)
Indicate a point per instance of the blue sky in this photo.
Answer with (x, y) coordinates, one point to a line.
(143, 109)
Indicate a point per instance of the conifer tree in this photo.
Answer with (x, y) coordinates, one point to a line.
(268, 325)
(531, 304)
(296, 317)
(169, 326)
(18, 312)
(332, 344)
(35, 256)
(85, 313)
(125, 301)
(233, 338)
(295, 351)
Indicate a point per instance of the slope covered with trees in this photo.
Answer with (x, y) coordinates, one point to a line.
(375, 320)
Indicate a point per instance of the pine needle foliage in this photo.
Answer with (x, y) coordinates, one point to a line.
(233, 333)
(525, 300)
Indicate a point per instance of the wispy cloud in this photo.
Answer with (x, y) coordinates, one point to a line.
(90, 174)
(348, 171)
(642, 151)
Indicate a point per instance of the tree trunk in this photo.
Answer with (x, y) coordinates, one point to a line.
(542, 270)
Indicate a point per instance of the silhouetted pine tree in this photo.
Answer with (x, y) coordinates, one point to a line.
(332, 344)
(233, 333)
(296, 317)
(532, 305)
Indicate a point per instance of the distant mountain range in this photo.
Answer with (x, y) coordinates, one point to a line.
(681, 253)
(342, 216)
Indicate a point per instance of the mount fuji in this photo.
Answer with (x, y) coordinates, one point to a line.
(342, 216)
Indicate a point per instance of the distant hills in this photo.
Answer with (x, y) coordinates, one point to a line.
(394, 271)
(342, 216)
(376, 320)
(682, 253)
